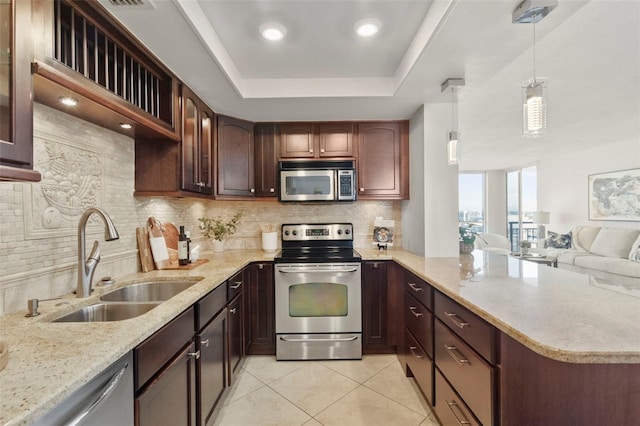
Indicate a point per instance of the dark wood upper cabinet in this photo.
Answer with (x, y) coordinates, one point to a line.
(235, 158)
(16, 105)
(336, 139)
(297, 140)
(316, 140)
(383, 160)
(266, 159)
(81, 51)
(197, 144)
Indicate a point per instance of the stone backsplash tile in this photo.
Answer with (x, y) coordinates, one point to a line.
(85, 165)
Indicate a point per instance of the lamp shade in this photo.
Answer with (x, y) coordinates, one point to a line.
(453, 151)
(540, 217)
(534, 108)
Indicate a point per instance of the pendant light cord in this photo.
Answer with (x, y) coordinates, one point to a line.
(534, 47)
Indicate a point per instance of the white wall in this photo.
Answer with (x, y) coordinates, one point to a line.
(413, 209)
(496, 202)
(441, 185)
(563, 182)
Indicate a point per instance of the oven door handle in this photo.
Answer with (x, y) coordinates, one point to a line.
(315, 271)
(344, 339)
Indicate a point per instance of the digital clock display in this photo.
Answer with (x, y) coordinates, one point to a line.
(317, 232)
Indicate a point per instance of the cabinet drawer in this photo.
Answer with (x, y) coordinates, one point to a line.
(419, 321)
(234, 285)
(420, 364)
(157, 350)
(474, 330)
(450, 408)
(419, 289)
(210, 305)
(470, 375)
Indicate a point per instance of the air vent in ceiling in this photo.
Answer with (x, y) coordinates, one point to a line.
(133, 4)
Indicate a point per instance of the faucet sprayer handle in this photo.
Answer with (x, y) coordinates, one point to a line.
(95, 252)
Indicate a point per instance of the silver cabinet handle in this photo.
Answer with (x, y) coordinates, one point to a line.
(462, 420)
(457, 320)
(106, 391)
(205, 343)
(237, 286)
(311, 151)
(413, 310)
(361, 189)
(456, 355)
(252, 190)
(272, 190)
(195, 354)
(322, 150)
(415, 287)
(260, 266)
(413, 349)
(233, 311)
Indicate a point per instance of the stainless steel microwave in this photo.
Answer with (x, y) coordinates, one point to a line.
(317, 181)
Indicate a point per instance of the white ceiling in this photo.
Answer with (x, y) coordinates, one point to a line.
(588, 50)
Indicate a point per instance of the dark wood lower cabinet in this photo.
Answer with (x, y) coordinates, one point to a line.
(236, 347)
(261, 330)
(170, 398)
(212, 368)
(381, 308)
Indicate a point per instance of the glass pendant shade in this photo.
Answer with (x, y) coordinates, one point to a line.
(453, 151)
(534, 108)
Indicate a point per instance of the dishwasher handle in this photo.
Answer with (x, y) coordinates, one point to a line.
(104, 394)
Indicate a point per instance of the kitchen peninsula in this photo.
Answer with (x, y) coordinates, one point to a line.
(542, 317)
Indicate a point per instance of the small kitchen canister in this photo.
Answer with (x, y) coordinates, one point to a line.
(269, 241)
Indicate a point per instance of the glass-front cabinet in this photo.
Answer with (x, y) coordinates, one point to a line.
(16, 92)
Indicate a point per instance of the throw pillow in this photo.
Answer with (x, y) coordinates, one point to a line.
(634, 254)
(614, 242)
(556, 240)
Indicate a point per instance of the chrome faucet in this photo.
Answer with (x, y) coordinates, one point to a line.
(87, 267)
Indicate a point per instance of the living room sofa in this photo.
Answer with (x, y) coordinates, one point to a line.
(597, 249)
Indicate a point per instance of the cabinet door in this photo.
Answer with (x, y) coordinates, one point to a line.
(266, 160)
(262, 310)
(170, 399)
(336, 139)
(374, 303)
(383, 166)
(235, 157)
(212, 365)
(236, 349)
(190, 142)
(297, 140)
(16, 92)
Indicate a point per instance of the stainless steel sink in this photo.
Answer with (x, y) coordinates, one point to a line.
(155, 291)
(107, 312)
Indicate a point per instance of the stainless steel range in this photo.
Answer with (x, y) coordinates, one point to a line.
(318, 293)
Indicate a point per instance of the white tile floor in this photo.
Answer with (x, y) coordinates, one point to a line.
(373, 391)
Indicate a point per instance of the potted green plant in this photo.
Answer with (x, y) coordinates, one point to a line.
(467, 238)
(218, 229)
(525, 246)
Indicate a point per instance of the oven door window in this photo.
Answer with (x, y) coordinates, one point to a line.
(318, 300)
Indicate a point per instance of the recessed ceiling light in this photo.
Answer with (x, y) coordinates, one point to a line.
(367, 27)
(126, 126)
(273, 31)
(69, 101)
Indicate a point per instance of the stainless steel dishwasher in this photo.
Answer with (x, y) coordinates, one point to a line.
(106, 400)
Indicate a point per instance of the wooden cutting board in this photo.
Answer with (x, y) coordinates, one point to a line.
(171, 234)
(158, 244)
(144, 249)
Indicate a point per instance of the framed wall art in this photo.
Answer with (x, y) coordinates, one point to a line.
(615, 196)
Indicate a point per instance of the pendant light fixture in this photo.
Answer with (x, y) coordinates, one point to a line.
(534, 92)
(453, 136)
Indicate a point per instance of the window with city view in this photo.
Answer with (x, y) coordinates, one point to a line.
(522, 196)
(471, 200)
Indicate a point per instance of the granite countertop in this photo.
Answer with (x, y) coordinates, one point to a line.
(560, 314)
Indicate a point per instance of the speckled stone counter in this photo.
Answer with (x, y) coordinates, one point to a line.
(559, 314)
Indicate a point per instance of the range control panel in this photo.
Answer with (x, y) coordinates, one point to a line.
(321, 231)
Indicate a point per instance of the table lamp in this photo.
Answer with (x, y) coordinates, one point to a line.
(542, 219)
